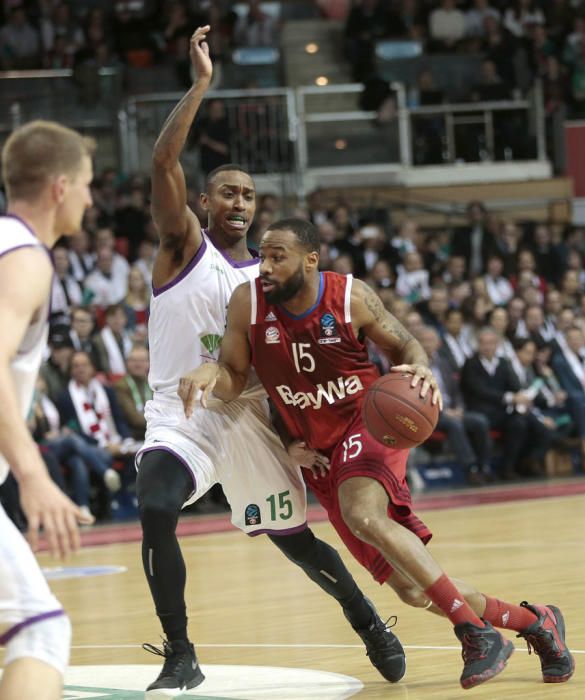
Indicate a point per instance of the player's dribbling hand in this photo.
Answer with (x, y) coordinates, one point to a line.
(197, 384)
(47, 507)
(424, 374)
(309, 459)
(199, 52)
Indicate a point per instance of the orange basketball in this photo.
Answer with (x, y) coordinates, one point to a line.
(396, 415)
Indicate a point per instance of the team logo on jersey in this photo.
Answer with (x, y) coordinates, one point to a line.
(272, 335)
(328, 330)
(252, 515)
(211, 342)
(270, 316)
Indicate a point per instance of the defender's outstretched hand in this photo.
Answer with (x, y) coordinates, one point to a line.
(198, 383)
(199, 52)
(309, 459)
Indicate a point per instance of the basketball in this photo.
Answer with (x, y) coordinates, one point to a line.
(396, 415)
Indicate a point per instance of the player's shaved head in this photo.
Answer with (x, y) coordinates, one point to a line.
(227, 168)
(306, 234)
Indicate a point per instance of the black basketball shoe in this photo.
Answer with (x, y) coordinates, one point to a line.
(485, 653)
(383, 647)
(547, 637)
(180, 671)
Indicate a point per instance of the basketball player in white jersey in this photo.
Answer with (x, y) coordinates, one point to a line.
(47, 170)
(194, 274)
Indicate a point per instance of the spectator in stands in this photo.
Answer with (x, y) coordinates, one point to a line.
(408, 238)
(508, 241)
(475, 242)
(411, 19)
(130, 220)
(521, 17)
(214, 136)
(55, 371)
(367, 21)
(66, 290)
(133, 391)
(490, 387)
(475, 18)
(548, 256)
(133, 40)
(256, 27)
(370, 245)
(81, 261)
(382, 275)
(145, 260)
(136, 304)
(570, 288)
(70, 450)
(533, 388)
(467, 431)
(61, 25)
(568, 362)
(102, 287)
(343, 265)
(104, 238)
(490, 87)
(446, 26)
(533, 325)
(19, 42)
(91, 410)
(455, 272)
(412, 283)
(516, 308)
(434, 309)
(500, 48)
(82, 327)
(499, 320)
(552, 307)
(414, 323)
(457, 346)
(111, 346)
(559, 16)
(498, 287)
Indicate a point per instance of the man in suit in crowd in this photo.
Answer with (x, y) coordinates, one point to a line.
(468, 432)
(490, 387)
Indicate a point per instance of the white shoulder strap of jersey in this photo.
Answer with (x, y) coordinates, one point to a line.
(348, 285)
(253, 303)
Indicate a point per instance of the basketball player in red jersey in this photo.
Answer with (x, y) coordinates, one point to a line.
(304, 332)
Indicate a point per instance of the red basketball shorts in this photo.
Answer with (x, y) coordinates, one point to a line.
(358, 454)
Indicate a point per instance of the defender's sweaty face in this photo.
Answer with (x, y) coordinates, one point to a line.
(231, 202)
(282, 273)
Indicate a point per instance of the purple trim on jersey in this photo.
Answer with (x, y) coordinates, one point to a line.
(164, 448)
(289, 531)
(18, 247)
(29, 229)
(15, 629)
(312, 308)
(238, 263)
(184, 272)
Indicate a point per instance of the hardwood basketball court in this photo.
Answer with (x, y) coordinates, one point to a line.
(248, 606)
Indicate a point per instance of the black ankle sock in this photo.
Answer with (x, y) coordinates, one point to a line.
(174, 625)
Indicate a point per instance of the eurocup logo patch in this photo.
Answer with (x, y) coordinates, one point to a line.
(252, 515)
(328, 329)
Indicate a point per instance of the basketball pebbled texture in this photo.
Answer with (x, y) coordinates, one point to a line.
(395, 414)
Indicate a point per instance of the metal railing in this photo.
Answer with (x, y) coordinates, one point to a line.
(290, 133)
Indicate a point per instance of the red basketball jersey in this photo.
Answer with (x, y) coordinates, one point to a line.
(313, 367)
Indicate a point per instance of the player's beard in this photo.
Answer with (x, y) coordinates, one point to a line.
(287, 290)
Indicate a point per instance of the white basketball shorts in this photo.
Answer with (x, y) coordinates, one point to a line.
(236, 446)
(25, 597)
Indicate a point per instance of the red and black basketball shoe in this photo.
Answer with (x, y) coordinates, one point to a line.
(485, 653)
(547, 637)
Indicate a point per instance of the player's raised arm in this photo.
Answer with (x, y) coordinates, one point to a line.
(228, 378)
(42, 502)
(174, 220)
(371, 318)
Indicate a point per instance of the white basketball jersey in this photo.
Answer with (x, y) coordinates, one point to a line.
(188, 316)
(25, 365)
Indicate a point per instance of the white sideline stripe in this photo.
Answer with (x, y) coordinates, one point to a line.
(412, 647)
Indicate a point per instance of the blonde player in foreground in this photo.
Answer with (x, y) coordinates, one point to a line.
(47, 170)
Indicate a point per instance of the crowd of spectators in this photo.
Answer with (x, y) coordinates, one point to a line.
(498, 304)
(113, 33)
